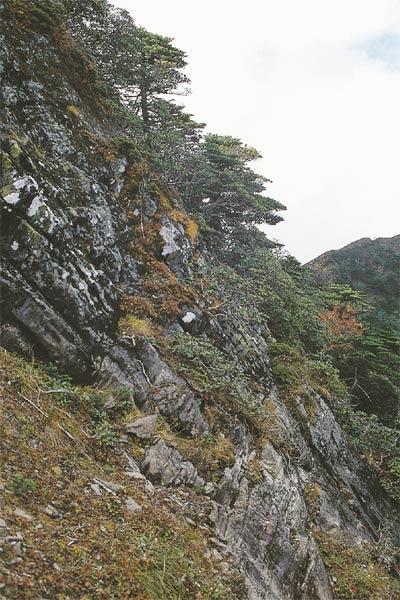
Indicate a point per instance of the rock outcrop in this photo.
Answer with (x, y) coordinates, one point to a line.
(68, 257)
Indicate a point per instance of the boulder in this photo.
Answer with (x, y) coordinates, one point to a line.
(132, 506)
(142, 428)
(166, 466)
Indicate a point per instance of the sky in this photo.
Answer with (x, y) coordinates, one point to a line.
(314, 85)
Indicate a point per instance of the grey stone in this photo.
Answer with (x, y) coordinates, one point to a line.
(142, 428)
(149, 488)
(176, 248)
(256, 523)
(174, 329)
(108, 485)
(149, 205)
(51, 511)
(17, 548)
(172, 395)
(135, 474)
(166, 466)
(132, 506)
(18, 512)
(329, 516)
(271, 460)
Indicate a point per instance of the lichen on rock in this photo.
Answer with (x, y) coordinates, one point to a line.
(105, 282)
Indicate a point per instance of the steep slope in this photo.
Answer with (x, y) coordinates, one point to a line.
(110, 281)
(371, 266)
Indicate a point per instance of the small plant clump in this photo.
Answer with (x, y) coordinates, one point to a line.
(22, 486)
(131, 326)
(254, 471)
(73, 111)
(213, 374)
(312, 494)
(210, 453)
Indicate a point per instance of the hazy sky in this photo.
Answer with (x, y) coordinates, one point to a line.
(315, 86)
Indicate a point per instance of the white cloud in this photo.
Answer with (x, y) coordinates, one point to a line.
(314, 87)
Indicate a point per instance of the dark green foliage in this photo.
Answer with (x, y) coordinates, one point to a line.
(41, 14)
(229, 194)
(175, 145)
(372, 267)
(210, 372)
(371, 368)
(380, 443)
(287, 365)
(139, 67)
(158, 71)
(23, 486)
(284, 298)
(293, 368)
(368, 363)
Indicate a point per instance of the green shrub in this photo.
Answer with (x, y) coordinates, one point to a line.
(214, 374)
(23, 486)
(105, 434)
(288, 365)
(43, 14)
(379, 443)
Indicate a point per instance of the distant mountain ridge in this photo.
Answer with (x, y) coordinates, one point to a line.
(391, 244)
(371, 266)
(180, 408)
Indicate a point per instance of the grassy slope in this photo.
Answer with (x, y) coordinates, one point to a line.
(92, 547)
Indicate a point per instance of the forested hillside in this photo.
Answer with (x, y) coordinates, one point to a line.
(372, 267)
(186, 411)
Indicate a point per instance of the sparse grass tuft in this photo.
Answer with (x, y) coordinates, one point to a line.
(192, 230)
(312, 493)
(73, 111)
(131, 325)
(358, 574)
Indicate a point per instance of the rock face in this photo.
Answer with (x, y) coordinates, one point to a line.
(267, 524)
(165, 465)
(67, 258)
(143, 428)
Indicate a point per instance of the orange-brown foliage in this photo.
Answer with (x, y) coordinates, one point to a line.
(170, 309)
(137, 305)
(341, 323)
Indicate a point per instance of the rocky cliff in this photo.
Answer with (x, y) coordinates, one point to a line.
(103, 277)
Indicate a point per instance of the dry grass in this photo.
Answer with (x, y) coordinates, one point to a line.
(358, 572)
(93, 547)
(131, 325)
(192, 230)
(73, 111)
